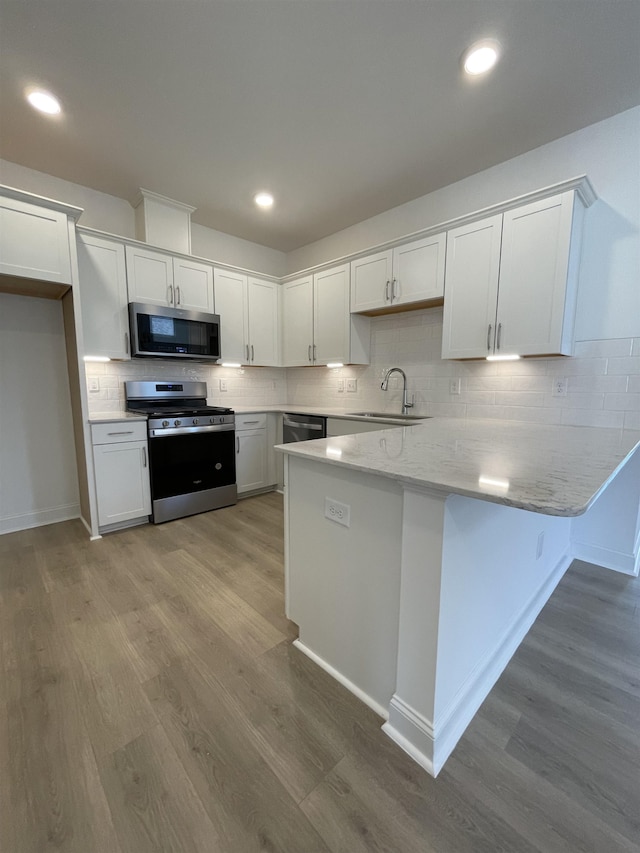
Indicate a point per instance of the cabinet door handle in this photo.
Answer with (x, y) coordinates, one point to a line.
(314, 352)
(126, 342)
(386, 292)
(170, 290)
(252, 355)
(489, 337)
(247, 348)
(122, 432)
(177, 294)
(237, 444)
(394, 295)
(144, 457)
(309, 352)
(499, 335)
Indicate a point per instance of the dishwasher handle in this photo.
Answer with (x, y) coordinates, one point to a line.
(302, 424)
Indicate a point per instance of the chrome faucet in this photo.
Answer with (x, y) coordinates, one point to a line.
(406, 405)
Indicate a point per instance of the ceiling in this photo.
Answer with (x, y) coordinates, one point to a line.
(341, 108)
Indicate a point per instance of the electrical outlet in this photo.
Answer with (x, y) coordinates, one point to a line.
(338, 512)
(454, 386)
(341, 385)
(223, 385)
(560, 384)
(352, 384)
(94, 384)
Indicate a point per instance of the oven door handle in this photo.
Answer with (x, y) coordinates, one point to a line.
(168, 433)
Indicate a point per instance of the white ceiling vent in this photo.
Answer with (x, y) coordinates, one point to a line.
(163, 222)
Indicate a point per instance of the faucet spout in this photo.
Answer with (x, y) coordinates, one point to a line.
(406, 404)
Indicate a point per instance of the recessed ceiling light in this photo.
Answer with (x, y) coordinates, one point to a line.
(44, 101)
(264, 200)
(481, 56)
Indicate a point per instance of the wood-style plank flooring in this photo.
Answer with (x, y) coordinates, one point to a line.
(151, 701)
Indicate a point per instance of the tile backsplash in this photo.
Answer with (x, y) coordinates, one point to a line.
(601, 381)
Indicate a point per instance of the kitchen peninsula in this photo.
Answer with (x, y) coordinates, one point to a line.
(417, 558)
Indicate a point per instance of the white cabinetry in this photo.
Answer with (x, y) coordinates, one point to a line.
(317, 325)
(251, 453)
(103, 290)
(35, 237)
(249, 318)
(120, 459)
(511, 281)
(162, 279)
(408, 274)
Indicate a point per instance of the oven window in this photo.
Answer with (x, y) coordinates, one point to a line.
(182, 464)
(158, 334)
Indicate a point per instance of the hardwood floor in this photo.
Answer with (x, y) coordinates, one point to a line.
(152, 701)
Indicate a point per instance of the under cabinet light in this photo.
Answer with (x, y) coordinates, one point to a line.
(230, 364)
(512, 357)
(96, 358)
(335, 364)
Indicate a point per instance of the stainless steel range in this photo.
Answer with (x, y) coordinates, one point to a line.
(192, 460)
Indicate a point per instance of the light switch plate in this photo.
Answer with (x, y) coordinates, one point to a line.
(94, 384)
(340, 385)
(352, 384)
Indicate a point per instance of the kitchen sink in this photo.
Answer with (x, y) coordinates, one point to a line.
(389, 416)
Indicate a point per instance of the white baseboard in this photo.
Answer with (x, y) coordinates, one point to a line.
(430, 743)
(38, 518)
(334, 673)
(627, 564)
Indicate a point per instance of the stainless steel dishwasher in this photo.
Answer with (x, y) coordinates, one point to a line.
(302, 427)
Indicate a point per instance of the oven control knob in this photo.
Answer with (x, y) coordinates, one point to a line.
(165, 423)
(196, 421)
(212, 420)
(177, 423)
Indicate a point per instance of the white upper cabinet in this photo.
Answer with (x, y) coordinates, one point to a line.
(511, 281)
(331, 318)
(150, 276)
(408, 274)
(297, 322)
(35, 239)
(157, 278)
(473, 266)
(317, 326)
(103, 295)
(249, 318)
(264, 321)
(371, 281)
(193, 285)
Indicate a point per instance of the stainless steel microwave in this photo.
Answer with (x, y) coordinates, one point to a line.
(158, 332)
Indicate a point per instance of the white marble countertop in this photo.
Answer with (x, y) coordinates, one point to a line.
(555, 470)
(115, 417)
(327, 412)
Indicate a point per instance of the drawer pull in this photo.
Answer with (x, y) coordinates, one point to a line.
(122, 432)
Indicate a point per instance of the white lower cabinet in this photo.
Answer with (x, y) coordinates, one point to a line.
(252, 453)
(121, 466)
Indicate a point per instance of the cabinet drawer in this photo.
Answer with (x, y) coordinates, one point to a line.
(118, 431)
(253, 421)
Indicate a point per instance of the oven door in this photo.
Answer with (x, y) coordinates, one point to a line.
(192, 471)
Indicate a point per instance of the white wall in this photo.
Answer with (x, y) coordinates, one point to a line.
(608, 152)
(116, 216)
(38, 479)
